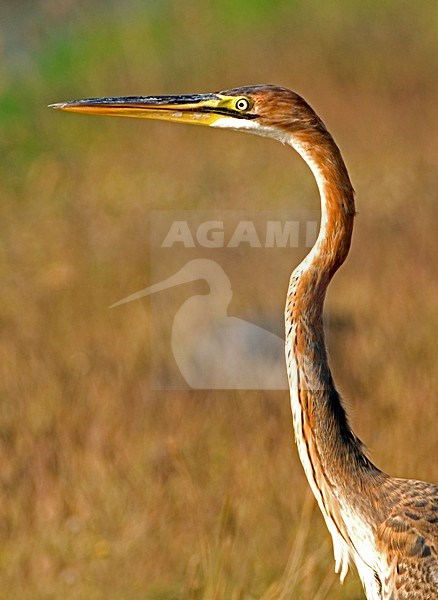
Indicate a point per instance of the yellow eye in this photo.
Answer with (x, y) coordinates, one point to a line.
(242, 104)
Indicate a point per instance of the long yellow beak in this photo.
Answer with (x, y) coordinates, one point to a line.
(198, 109)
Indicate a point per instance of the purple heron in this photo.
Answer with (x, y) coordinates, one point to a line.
(387, 526)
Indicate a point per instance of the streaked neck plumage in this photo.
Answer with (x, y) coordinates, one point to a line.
(336, 467)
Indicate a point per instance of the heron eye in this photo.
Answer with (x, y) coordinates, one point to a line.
(242, 104)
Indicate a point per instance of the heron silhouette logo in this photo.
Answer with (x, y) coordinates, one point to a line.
(212, 349)
(221, 327)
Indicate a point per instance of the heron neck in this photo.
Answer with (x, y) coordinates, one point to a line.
(337, 206)
(328, 448)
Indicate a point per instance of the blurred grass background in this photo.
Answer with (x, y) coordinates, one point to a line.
(108, 489)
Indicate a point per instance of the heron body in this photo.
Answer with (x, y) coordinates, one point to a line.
(387, 526)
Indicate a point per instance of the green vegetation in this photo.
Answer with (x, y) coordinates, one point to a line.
(110, 490)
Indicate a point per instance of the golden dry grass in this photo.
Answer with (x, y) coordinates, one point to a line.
(111, 490)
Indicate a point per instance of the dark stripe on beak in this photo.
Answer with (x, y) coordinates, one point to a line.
(138, 101)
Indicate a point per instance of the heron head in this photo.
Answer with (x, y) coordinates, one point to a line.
(265, 110)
